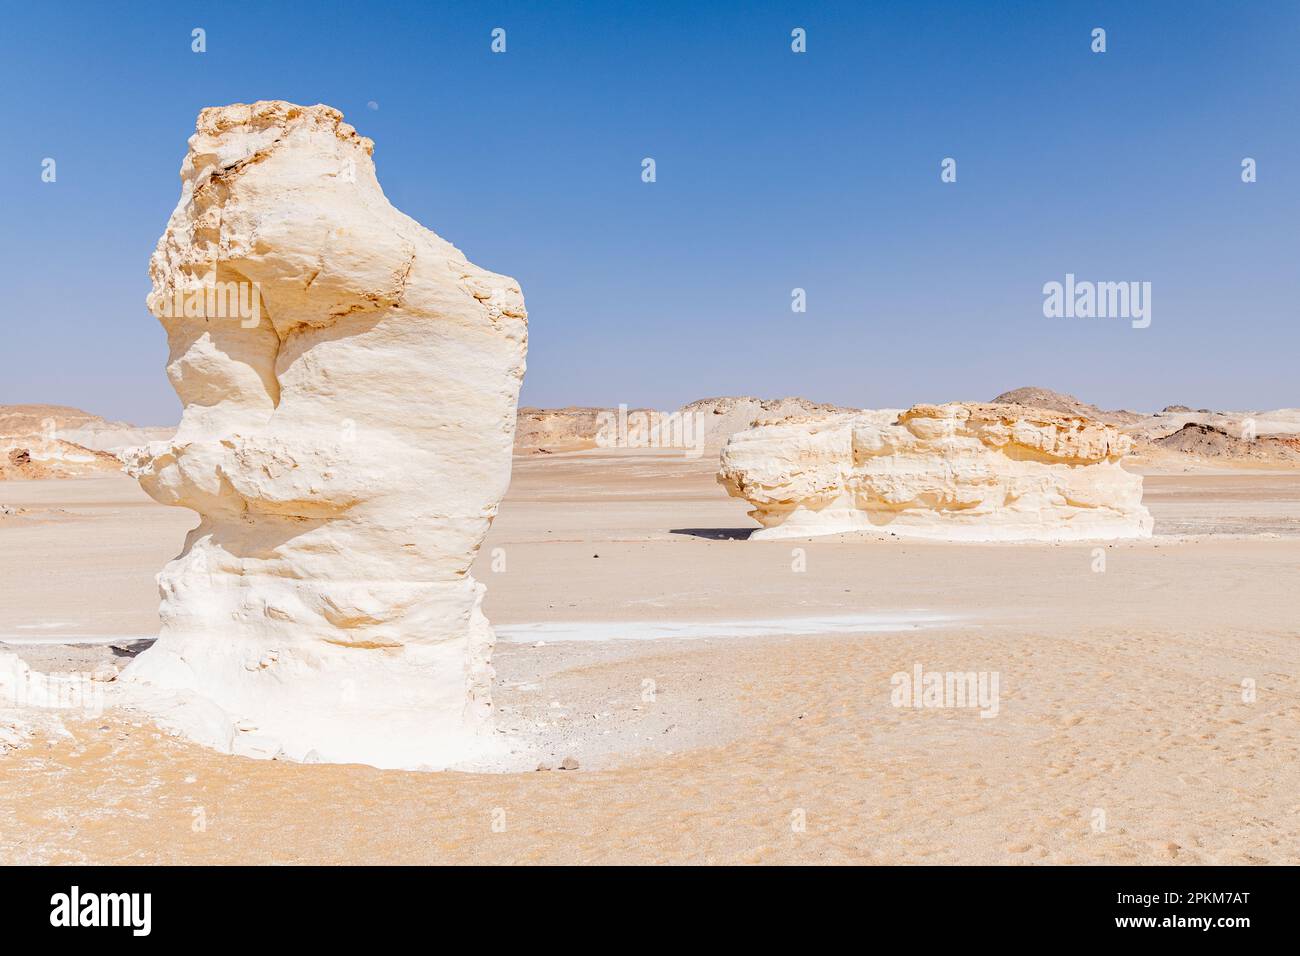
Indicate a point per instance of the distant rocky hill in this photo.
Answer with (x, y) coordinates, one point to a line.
(715, 419)
(76, 426)
(1207, 441)
(1264, 437)
(1035, 397)
(33, 456)
(1176, 430)
(60, 441)
(33, 419)
(57, 441)
(723, 417)
(559, 429)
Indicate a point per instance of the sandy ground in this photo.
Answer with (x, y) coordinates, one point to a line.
(1122, 734)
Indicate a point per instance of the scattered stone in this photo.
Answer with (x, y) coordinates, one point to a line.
(569, 763)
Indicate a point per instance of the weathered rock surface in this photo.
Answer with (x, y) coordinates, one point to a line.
(349, 383)
(961, 472)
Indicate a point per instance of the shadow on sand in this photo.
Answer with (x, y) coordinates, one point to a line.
(716, 534)
(131, 648)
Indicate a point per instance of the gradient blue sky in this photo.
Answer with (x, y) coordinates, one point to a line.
(775, 170)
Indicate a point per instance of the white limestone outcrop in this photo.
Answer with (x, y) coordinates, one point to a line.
(959, 472)
(349, 383)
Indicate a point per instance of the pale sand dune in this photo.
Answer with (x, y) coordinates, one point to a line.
(1119, 691)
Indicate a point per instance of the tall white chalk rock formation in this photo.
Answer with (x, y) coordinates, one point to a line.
(349, 383)
(958, 472)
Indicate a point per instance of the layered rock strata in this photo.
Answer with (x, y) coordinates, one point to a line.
(349, 383)
(959, 472)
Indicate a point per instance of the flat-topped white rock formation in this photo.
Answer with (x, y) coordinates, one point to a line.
(349, 383)
(958, 472)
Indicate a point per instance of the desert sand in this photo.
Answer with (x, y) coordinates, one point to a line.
(1122, 734)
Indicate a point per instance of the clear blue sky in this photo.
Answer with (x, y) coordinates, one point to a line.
(775, 171)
